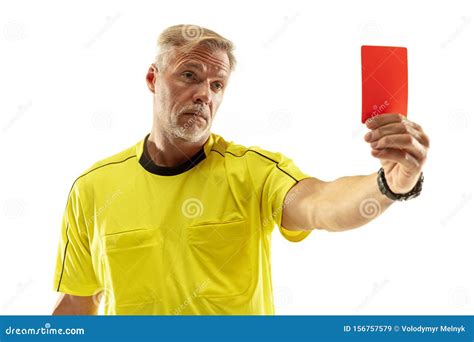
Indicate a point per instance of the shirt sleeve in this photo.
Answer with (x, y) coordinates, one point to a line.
(274, 175)
(74, 273)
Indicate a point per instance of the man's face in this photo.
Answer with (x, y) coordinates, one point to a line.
(188, 92)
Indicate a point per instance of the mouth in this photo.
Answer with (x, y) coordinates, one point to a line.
(198, 115)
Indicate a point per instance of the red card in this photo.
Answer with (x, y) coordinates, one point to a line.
(384, 80)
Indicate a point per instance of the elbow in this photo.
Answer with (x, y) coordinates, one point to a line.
(329, 219)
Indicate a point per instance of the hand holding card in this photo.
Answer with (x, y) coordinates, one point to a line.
(384, 80)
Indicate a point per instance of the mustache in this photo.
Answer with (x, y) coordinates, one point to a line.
(196, 110)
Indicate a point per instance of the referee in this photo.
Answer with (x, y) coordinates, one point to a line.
(181, 222)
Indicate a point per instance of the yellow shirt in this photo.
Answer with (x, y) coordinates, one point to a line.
(191, 239)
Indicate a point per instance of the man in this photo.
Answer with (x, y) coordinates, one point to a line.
(180, 223)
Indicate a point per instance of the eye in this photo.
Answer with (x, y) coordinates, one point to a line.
(188, 75)
(218, 85)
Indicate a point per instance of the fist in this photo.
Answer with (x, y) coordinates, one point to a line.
(401, 146)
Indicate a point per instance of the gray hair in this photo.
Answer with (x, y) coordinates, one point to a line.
(187, 37)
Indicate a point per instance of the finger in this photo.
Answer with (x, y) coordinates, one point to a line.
(389, 129)
(416, 126)
(383, 119)
(402, 127)
(423, 138)
(388, 119)
(404, 158)
(417, 131)
(404, 142)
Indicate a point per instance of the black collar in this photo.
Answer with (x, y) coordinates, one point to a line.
(150, 166)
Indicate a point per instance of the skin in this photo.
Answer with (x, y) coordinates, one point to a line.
(192, 82)
(77, 305)
(401, 146)
(196, 81)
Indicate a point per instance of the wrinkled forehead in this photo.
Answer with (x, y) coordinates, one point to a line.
(204, 58)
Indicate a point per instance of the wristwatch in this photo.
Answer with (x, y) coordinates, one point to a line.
(384, 189)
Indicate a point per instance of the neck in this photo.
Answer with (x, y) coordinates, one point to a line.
(168, 151)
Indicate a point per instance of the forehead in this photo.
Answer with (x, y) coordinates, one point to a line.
(203, 58)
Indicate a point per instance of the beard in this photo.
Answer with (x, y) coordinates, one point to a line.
(192, 124)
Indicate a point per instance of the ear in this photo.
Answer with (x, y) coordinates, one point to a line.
(151, 78)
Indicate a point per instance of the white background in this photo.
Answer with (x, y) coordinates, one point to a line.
(72, 89)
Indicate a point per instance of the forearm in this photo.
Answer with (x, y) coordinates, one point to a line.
(76, 305)
(350, 202)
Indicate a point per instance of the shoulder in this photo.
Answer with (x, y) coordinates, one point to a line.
(252, 154)
(259, 162)
(107, 167)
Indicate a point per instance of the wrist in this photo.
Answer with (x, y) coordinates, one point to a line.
(385, 189)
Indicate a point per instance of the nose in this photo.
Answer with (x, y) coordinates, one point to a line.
(202, 94)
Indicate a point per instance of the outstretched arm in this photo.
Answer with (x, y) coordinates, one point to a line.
(350, 202)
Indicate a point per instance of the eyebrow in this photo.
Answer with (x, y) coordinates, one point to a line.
(221, 73)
